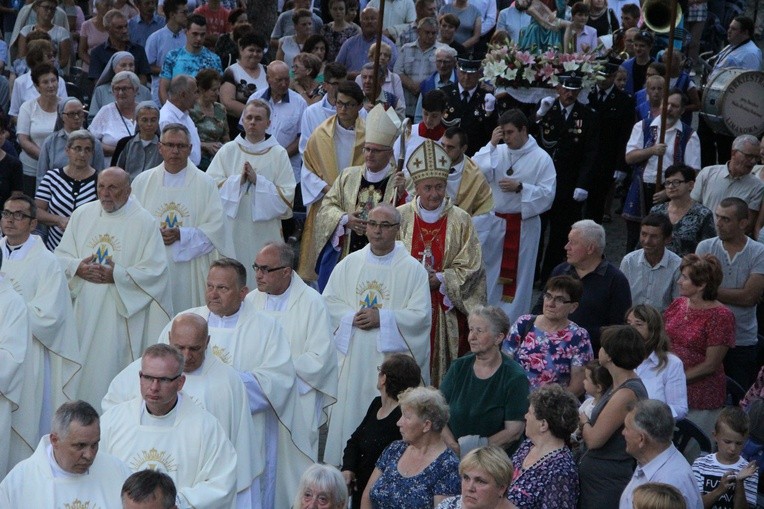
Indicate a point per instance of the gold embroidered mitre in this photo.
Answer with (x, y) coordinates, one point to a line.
(429, 160)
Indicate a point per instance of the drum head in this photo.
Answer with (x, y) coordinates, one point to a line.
(733, 102)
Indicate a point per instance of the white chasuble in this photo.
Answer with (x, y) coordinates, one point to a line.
(217, 388)
(15, 338)
(33, 484)
(253, 212)
(399, 289)
(195, 208)
(192, 449)
(115, 321)
(53, 358)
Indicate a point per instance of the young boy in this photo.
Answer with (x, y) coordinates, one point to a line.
(726, 480)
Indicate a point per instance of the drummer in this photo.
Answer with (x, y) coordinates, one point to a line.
(742, 53)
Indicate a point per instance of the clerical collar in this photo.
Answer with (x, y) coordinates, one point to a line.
(223, 322)
(257, 148)
(386, 259)
(455, 173)
(55, 468)
(163, 421)
(18, 252)
(277, 302)
(430, 216)
(175, 179)
(378, 176)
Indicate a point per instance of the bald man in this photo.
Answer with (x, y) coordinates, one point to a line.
(119, 281)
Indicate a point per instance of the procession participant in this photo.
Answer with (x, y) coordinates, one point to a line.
(211, 384)
(147, 486)
(119, 281)
(337, 143)
(67, 469)
(166, 431)
(523, 181)
(256, 185)
(340, 226)
(53, 357)
(378, 303)
(186, 204)
(442, 238)
(467, 187)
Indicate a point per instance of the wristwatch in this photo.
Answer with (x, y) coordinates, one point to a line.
(519, 188)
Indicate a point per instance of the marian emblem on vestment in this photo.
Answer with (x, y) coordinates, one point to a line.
(372, 294)
(171, 215)
(79, 504)
(153, 459)
(104, 246)
(222, 354)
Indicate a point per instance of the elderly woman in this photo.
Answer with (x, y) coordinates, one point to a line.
(419, 471)
(59, 36)
(662, 372)
(117, 120)
(243, 78)
(209, 116)
(64, 189)
(692, 221)
(24, 89)
(701, 330)
(339, 29)
(93, 32)
(550, 347)
(291, 45)
(606, 468)
(545, 471)
(321, 487)
(487, 392)
(139, 153)
(486, 473)
(71, 117)
(37, 119)
(102, 95)
(306, 67)
(379, 427)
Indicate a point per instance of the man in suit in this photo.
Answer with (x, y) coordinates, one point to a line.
(567, 131)
(469, 106)
(614, 109)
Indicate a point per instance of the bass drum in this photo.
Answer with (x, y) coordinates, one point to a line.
(733, 102)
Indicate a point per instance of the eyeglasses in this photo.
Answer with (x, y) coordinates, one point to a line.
(48, 7)
(80, 150)
(342, 105)
(556, 298)
(375, 151)
(384, 225)
(121, 90)
(17, 216)
(175, 146)
(266, 269)
(673, 183)
(161, 379)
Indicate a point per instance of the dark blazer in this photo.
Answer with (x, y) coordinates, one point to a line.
(472, 117)
(615, 117)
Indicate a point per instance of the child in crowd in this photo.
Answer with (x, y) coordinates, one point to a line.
(656, 495)
(597, 381)
(725, 476)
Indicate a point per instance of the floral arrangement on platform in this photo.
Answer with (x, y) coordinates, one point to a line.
(509, 67)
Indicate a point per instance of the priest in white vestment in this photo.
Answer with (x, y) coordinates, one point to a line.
(67, 470)
(113, 257)
(53, 358)
(184, 202)
(213, 385)
(254, 344)
(15, 340)
(523, 181)
(256, 184)
(169, 432)
(379, 303)
(301, 311)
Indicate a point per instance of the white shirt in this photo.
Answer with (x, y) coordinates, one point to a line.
(637, 142)
(170, 114)
(667, 384)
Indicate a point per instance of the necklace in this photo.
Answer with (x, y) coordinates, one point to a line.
(511, 170)
(122, 117)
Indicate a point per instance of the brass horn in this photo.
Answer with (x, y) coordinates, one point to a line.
(657, 15)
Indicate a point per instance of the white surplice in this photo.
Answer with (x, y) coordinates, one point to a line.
(115, 321)
(253, 213)
(398, 286)
(189, 445)
(38, 481)
(187, 200)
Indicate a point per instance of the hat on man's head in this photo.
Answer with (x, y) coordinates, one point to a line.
(644, 36)
(609, 65)
(571, 81)
(428, 160)
(469, 66)
(382, 126)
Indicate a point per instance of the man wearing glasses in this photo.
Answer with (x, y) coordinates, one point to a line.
(37, 276)
(168, 431)
(210, 382)
(186, 203)
(340, 226)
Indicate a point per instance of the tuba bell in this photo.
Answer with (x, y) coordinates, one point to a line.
(657, 15)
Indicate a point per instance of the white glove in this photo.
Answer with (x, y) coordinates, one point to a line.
(490, 103)
(619, 176)
(580, 194)
(546, 105)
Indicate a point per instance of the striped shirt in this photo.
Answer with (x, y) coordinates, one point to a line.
(708, 472)
(63, 194)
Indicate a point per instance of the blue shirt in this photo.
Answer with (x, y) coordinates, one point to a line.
(180, 61)
(354, 51)
(100, 55)
(140, 30)
(158, 45)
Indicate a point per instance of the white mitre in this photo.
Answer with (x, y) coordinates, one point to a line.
(382, 126)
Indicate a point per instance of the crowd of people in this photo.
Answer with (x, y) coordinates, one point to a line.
(240, 269)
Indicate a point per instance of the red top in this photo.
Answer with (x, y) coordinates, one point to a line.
(217, 20)
(692, 331)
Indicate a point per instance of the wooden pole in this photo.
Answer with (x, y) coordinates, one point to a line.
(666, 89)
(376, 86)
